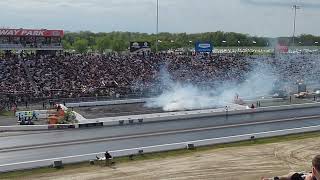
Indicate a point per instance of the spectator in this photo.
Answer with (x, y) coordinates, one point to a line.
(314, 175)
(108, 158)
(73, 76)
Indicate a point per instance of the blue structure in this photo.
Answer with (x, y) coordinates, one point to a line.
(204, 47)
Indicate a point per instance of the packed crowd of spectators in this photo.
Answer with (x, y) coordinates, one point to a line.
(77, 75)
(104, 75)
(291, 69)
(13, 76)
(305, 67)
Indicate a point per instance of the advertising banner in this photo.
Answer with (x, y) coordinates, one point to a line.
(135, 46)
(282, 49)
(203, 47)
(31, 32)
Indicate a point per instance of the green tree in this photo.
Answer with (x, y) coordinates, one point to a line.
(81, 45)
(103, 43)
(66, 45)
(119, 41)
(307, 40)
(119, 45)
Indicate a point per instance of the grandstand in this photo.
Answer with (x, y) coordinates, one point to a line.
(47, 74)
(40, 40)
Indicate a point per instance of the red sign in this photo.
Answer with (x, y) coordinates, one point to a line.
(31, 32)
(282, 49)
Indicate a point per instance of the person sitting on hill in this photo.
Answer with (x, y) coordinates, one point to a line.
(313, 175)
(108, 158)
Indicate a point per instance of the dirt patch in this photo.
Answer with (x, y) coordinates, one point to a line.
(115, 110)
(237, 163)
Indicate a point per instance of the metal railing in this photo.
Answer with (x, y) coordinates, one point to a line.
(55, 46)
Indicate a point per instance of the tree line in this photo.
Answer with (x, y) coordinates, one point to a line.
(85, 41)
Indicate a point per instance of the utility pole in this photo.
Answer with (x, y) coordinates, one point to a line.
(295, 7)
(157, 28)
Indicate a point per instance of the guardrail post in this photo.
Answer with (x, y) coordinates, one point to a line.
(57, 164)
(190, 146)
(121, 122)
(140, 152)
(227, 112)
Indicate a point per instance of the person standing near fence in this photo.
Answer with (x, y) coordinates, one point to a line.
(108, 158)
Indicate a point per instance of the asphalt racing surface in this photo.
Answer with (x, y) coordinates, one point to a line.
(14, 150)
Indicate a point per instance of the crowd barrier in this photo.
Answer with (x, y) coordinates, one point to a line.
(63, 126)
(158, 148)
(87, 125)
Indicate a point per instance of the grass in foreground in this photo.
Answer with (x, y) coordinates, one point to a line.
(160, 155)
(6, 113)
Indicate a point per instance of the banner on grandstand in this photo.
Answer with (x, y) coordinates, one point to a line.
(136, 46)
(282, 49)
(31, 32)
(203, 47)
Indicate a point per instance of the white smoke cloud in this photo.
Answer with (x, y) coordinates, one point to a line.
(185, 96)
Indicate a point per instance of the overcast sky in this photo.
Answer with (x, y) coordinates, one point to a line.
(256, 17)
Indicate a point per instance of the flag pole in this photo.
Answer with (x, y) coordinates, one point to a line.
(157, 28)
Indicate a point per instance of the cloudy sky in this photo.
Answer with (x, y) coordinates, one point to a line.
(255, 17)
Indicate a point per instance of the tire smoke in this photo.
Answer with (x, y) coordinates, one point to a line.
(177, 96)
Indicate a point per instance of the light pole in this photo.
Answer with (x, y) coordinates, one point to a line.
(295, 7)
(157, 28)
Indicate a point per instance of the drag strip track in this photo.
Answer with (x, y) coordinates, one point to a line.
(76, 135)
(34, 147)
(11, 157)
(39, 154)
(103, 139)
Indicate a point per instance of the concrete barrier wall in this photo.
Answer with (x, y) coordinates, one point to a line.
(111, 123)
(24, 128)
(287, 107)
(63, 126)
(194, 114)
(38, 127)
(174, 116)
